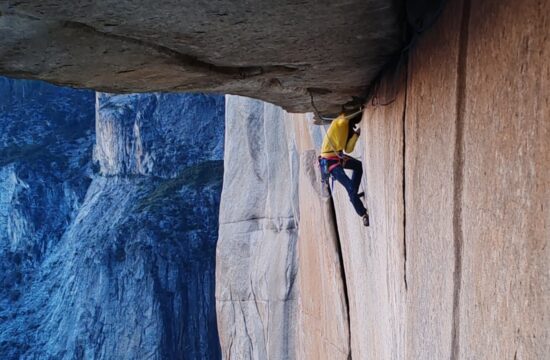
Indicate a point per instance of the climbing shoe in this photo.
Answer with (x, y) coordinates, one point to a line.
(361, 194)
(366, 220)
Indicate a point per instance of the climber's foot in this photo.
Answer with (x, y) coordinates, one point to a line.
(361, 194)
(366, 220)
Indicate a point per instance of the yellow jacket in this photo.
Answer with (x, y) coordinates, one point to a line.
(336, 138)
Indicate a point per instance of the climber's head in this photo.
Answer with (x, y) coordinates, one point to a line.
(355, 120)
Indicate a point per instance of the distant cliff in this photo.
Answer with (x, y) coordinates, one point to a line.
(46, 141)
(113, 259)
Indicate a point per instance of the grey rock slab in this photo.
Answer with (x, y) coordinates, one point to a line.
(263, 49)
(256, 260)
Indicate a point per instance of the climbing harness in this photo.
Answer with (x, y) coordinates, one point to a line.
(327, 164)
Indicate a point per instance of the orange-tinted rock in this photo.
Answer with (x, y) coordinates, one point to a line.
(505, 186)
(476, 200)
(374, 256)
(323, 310)
(430, 150)
(324, 329)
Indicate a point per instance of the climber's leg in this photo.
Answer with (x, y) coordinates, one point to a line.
(357, 167)
(340, 176)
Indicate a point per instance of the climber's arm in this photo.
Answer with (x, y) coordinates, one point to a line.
(351, 142)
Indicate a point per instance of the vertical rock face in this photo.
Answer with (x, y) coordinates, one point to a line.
(45, 144)
(457, 166)
(430, 121)
(323, 317)
(454, 264)
(46, 140)
(132, 272)
(157, 134)
(256, 254)
(266, 310)
(374, 257)
(503, 186)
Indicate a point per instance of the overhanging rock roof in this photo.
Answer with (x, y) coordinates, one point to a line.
(273, 50)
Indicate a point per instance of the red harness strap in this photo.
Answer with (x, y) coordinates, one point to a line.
(337, 161)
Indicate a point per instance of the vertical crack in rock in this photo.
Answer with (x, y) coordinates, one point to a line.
(342, 270)
(404, 145)
(458, 175)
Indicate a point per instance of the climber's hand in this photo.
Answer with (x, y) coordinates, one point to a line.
(358, 131)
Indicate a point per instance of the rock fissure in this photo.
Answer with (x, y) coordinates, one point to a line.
(342, 270)
(246, 332)
(404, 175)
(458, 178)
(254, 300)
(289, 223)
(186, 60)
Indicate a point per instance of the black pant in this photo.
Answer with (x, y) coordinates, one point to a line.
(351, 185)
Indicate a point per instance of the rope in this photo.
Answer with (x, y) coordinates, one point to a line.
(315, 110)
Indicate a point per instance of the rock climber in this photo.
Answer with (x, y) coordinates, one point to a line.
(341, 137)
